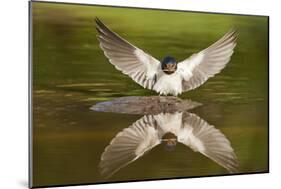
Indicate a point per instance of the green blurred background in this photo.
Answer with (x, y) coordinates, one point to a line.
(70, 73)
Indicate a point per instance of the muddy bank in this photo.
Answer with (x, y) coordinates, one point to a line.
(145, 105)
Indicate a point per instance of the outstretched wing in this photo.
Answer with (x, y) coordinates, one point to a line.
(132, 61)
(201, 66)
(206, 139)
(128, 145)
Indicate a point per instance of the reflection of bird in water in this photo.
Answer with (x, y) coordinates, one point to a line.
(168, 76)
(168, 129)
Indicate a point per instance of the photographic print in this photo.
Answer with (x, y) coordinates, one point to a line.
(124, 94)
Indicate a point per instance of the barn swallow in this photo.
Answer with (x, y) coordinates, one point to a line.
(166, 77)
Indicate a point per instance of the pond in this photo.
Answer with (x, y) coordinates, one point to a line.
(71, 74)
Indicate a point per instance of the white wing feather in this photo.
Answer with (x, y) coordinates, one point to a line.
(132, 61)
(198, 68)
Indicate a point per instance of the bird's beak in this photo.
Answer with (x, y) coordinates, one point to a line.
(170, 68)
(170, 141)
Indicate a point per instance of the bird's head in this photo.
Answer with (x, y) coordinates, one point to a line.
(170, 141)
(169, 65)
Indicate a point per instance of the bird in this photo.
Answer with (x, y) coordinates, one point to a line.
(166, 77)
(168, 129)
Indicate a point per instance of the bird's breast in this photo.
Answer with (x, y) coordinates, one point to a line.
(168, 84)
